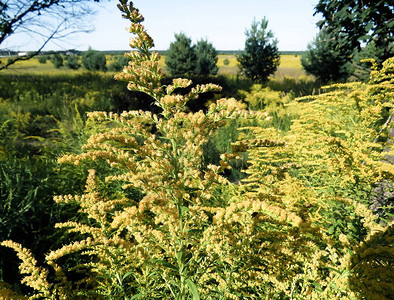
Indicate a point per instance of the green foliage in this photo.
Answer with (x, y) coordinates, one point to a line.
(260, 57)
(362, 63)
(42, 59)
(181, 58)
(159, 219)
(226, 62)
(326, 60)
(93, 60)
(206, 58)
(40, 118)
(352, 22)
(118, 64)
(44, 19)
(57, 60)
(272, 102)
(72, 62)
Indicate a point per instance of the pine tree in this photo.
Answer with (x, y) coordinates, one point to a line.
(261, 56)
(206, 58)
(181, 58)
(326, 60)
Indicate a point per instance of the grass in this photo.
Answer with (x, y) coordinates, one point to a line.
(290, 66)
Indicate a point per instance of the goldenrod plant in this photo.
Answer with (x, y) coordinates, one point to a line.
(324, 169)
(297, 227)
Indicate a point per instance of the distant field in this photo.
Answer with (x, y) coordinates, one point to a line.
(290, 66)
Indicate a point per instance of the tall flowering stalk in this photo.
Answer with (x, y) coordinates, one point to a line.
(149, 246)
(178, 229)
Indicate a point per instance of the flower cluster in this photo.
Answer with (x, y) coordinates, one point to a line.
(37, 276)
(158, 222)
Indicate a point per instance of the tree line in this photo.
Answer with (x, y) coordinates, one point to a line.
(350, 31)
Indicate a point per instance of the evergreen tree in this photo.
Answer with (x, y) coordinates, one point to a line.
(261, 56)
(326, 60)
(94, 60)
(181, 58)
(206, 58)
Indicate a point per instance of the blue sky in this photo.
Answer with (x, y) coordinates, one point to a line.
(222, 22)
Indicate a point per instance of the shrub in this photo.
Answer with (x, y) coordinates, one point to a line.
(72, 62)
(57, 60)
(226, 61)
(118, 64)
(42, 59)
(94, 60)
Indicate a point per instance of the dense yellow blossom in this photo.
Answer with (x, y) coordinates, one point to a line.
(293, 228)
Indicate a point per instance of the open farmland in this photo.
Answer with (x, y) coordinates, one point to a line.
(290, 66)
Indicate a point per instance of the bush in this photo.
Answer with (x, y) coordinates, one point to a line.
(118, 64)
(72, 62)
(57, 60)
(226, 61)
(42, 59)
(94, 60)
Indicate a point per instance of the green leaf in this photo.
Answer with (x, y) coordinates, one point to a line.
(136, 296)
(194, 230)
(331, 230)
(126, 275)
(364, 37)
(368, 27)
(193, 289)
(164, 264)
(317, 286)
(345, 273)
(180, 254)
(184, 209)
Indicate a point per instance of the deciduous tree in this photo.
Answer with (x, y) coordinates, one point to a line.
(353, 22)
(43, 20)
(72, 62)
(57, 60)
